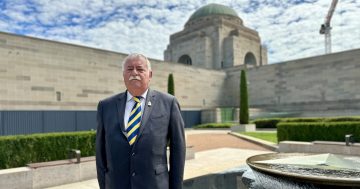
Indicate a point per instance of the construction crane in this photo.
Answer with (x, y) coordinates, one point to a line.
(326, 28)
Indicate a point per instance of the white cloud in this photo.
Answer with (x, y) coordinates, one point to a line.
(3, 26)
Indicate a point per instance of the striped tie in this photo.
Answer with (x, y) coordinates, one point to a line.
(134, 121)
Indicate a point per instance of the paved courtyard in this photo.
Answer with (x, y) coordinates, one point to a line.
(215, 151)
(208, 140)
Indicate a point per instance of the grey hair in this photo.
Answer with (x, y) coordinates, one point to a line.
(135, 56)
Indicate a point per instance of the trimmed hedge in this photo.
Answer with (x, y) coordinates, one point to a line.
(267, 123)
(19, 150)
(214, 125)
(272, 122)
(311, 131)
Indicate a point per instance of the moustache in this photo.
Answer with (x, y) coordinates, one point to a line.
(134, 78)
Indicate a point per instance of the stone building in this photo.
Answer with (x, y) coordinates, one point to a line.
(215, 37)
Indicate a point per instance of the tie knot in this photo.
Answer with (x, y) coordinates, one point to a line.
(137, 99)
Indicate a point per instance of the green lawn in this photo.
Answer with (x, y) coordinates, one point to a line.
(268, 136)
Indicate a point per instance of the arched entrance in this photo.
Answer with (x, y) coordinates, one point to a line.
(185, 59)
(250, 59)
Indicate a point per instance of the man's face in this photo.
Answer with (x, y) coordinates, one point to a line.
(136, 76)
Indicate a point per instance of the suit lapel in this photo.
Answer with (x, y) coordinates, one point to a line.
(120, 104)
(149, 103)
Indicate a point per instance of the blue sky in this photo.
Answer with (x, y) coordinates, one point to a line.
(288, 28)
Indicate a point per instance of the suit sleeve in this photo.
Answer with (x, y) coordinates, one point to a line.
(100, 148)
(177, 147)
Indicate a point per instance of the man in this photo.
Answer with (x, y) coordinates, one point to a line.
(134, 129)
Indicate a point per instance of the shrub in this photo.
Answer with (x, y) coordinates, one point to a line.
(266, 123)
(19, 150)
(307, 131)
(337, 119)
(171, 86)
(272, 122)
(244, 104)
(214, 125)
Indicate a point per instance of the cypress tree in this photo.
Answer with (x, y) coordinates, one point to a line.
(244, 106)
(171, 87)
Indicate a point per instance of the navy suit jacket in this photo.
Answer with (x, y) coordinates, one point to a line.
(144, 164)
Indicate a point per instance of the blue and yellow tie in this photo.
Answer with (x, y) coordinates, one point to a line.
(134, 121)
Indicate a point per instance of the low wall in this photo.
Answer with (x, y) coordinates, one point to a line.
(17, 178)
(319, 147)
(54, 173)
(47, 174)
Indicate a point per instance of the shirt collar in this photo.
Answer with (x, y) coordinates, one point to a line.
(129, 96)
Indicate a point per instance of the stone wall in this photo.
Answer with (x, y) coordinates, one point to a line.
(48, 174)
(310, 85)
(38, 74)
(244, 42)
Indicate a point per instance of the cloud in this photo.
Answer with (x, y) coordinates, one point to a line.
(289, 29)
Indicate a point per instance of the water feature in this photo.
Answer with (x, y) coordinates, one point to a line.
(304, 171)
(263, 181)
(286, 171)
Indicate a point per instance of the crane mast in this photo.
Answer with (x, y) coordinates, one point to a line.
(326, 28)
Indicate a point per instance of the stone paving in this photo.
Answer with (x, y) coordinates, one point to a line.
(208, 141)
(215, 151)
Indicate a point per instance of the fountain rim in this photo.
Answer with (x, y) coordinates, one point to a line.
(298, 177)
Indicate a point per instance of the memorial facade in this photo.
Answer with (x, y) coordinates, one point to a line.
(205, 58)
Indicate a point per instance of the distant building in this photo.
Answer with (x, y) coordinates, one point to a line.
(215, 37)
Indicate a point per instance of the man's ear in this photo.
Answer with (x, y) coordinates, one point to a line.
(150, 75)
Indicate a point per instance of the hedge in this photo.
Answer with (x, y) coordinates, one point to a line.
(214, 125)
(272, 122)
(311, 131)
(20, 150)
(266, 123)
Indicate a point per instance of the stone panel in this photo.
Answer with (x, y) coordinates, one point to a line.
(314, 84)
(84, 76)
(16, 178)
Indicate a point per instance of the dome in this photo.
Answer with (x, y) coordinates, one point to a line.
(213, 9)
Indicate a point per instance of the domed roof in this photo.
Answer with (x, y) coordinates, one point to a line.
(213, 9)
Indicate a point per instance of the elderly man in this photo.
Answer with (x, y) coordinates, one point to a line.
(134, 128)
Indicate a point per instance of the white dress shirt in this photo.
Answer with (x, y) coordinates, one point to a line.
(129, 105)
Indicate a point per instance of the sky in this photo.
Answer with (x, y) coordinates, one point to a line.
(288, 28)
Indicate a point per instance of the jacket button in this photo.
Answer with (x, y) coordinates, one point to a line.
(133, 154)
(133, 174)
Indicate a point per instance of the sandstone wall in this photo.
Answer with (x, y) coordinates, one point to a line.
(321, 83)
(38, 74)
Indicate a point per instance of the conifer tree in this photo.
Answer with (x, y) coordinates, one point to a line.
(244, 106)
(171, 87)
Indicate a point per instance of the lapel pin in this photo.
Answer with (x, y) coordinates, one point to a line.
(149, 103)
